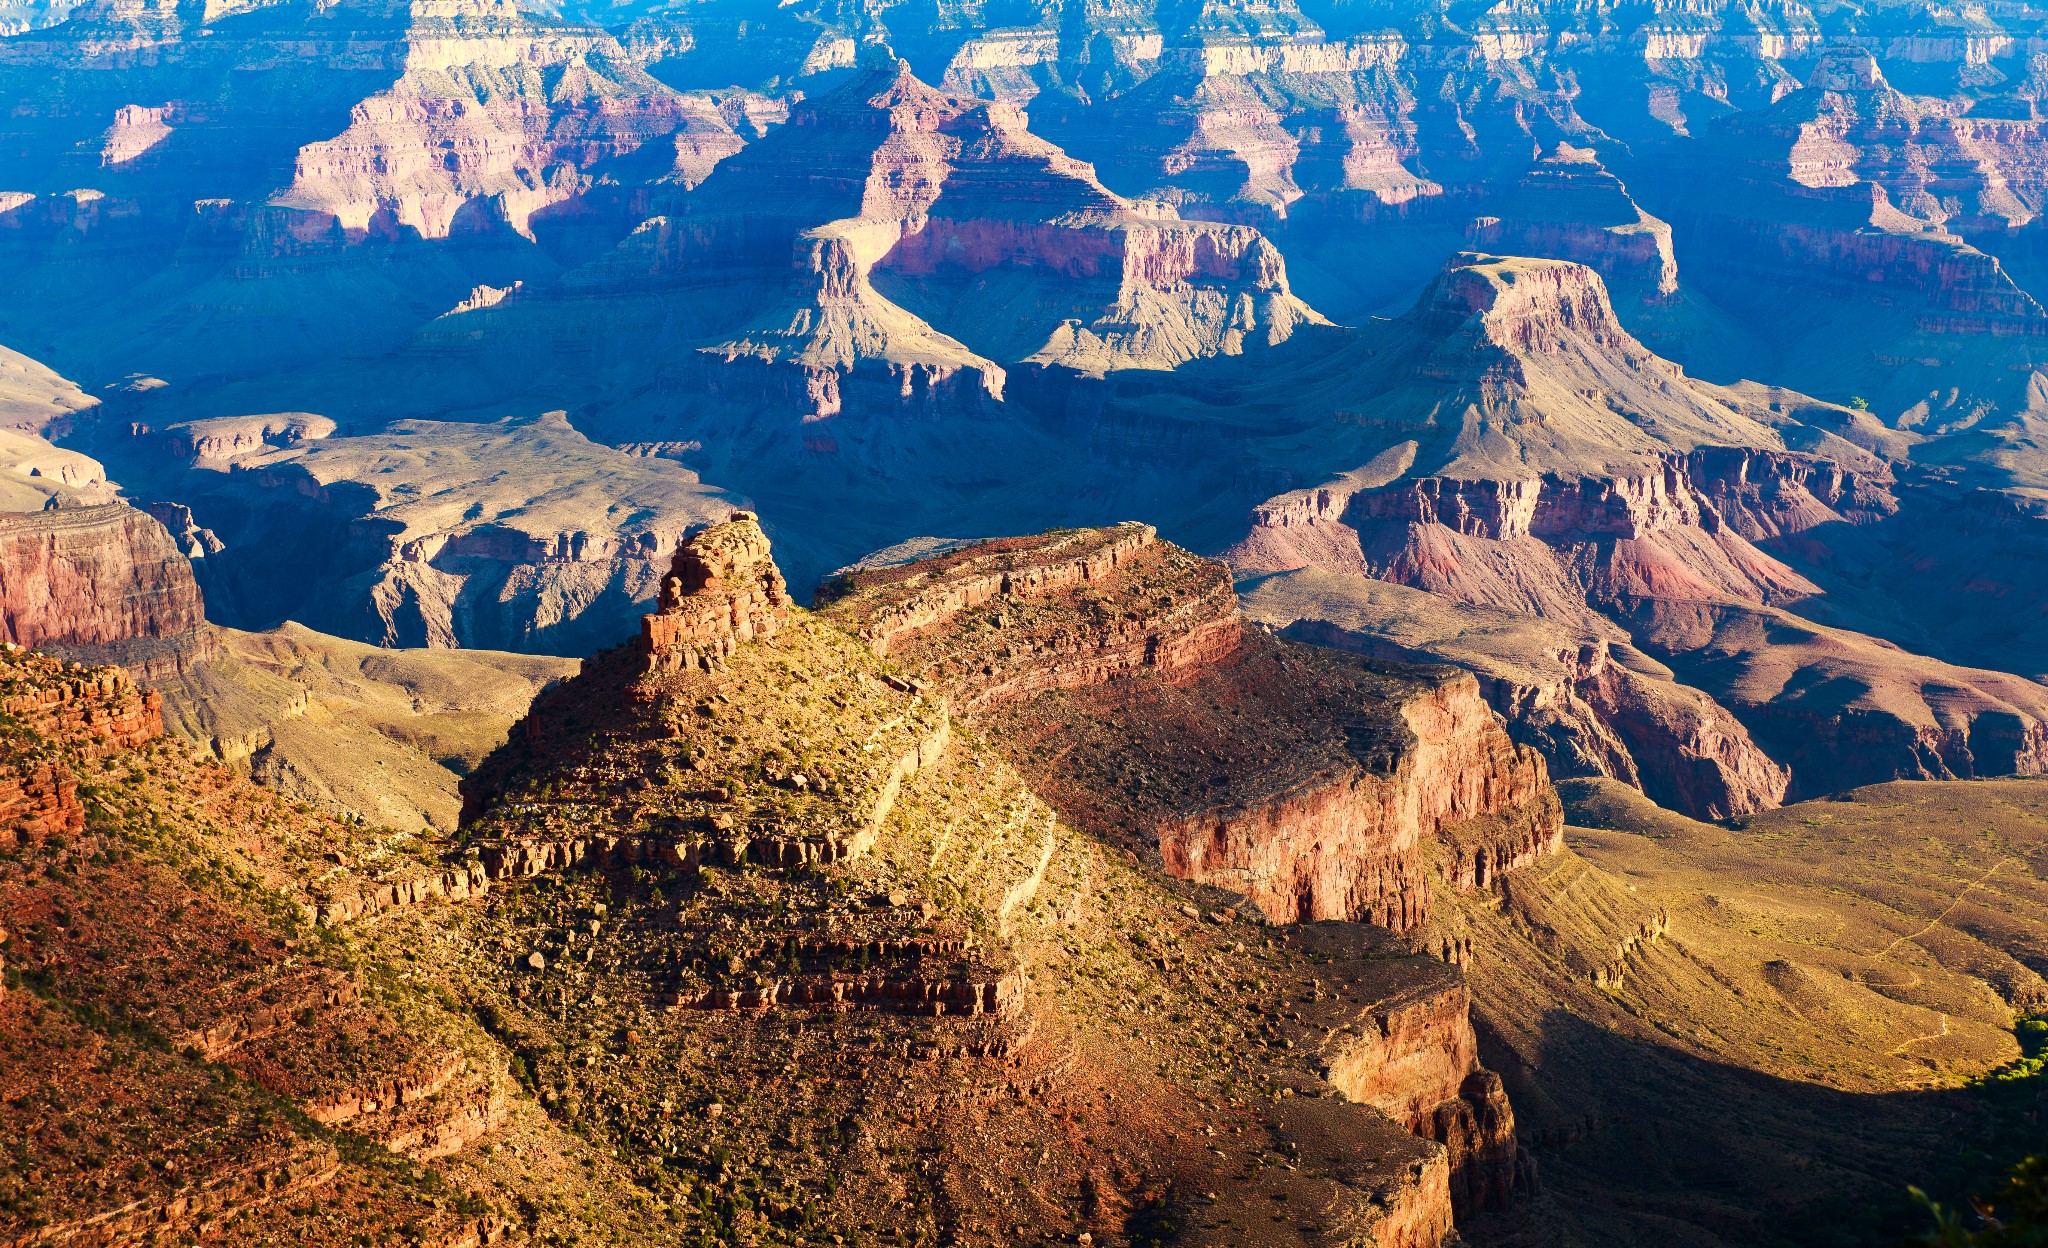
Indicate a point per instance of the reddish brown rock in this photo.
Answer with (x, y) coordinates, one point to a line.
(1117, 668)
(1593, 706)
(67, 712)
(102, 584)
(723, 589)
(1399, 1037)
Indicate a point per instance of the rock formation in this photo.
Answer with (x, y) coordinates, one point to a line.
(864, 963)
(104, 584)
(1594, 706)
(1113, 667)
(1568, 207)
(1123, 657)
(1528, 504)
(96, 712)
(722, 590)
(767, 757)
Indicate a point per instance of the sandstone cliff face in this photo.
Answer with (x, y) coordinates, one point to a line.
(101, 583)
(1414, 1056)
(1351, 846)
(1586, 712)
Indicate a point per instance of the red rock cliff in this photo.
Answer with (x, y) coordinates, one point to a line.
(104, 584)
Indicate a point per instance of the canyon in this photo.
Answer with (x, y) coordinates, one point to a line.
(1234, 624)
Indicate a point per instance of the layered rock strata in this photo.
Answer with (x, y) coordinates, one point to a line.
(1112, 645)
(102, 584)
(1317, 786)
(1174, 634)
(1680, 526)
(117, 948)
(1414, 1056)
(1592, 706)
(785, 736)
(722, 590)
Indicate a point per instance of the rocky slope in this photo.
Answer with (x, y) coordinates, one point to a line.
(377, 1040)
(892, 871)
(230, 1071)
(373, 735)
(1593, 706)
(33, 398)
(1686, 954)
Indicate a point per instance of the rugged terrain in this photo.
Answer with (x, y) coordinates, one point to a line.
(741, 924)
(746, 931)
(1115, 669)
(373, 735)
(1666, 381)
(1641, 564)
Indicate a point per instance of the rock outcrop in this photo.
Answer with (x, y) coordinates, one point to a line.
(1662, 528)
(93, 712)
(1593, 706)
(710, 772)
(1413, 1055)
(1116, 662)
(1113, 667)
(722, 590)
(1568, 207)
(103, 584)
